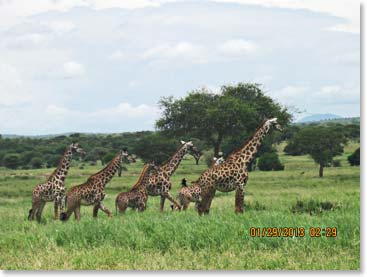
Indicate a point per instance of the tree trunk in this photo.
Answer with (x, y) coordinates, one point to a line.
(321, 170)
(197, 161)
(217, 146)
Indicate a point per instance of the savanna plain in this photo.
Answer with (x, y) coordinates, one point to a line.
(295, 197)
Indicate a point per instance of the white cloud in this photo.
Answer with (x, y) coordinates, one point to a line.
(12, 89)
(236, 47)
(346, 9)
(170, 51)
(61, 26)
(73, 69)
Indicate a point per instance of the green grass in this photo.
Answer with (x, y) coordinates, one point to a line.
(184, 240)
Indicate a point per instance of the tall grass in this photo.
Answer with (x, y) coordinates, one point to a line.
(184, 240)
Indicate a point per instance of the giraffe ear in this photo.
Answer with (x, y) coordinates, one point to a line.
(183, 142)
(273, 120)
(190, 143)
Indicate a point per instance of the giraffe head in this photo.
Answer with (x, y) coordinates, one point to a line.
(273, 123)
(75, 147)
(191, 149)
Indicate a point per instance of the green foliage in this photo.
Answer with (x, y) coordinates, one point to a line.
(36, 162)
(214, 117)
(108, 157)
(353, 159)
(12, 160)
(270, 161)
(312, 206)
(208, 157)
(321, 143)
(156, 147)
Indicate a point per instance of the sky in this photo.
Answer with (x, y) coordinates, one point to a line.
(102, 65)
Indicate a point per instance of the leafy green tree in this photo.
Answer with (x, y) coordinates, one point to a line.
(321, 143)
(12, 160)
(215, 117)
(36, 162)
(354, 159)
(270, 161)
(108, 157)
(155, 147)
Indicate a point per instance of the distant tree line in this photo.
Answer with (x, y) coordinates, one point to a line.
(215, 122)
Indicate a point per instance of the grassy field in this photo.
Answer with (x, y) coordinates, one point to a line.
(183, 240)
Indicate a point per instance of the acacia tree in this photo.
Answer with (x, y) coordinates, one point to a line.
(213, 117)
(321, 143)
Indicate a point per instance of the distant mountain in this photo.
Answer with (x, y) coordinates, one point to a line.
(318, 117)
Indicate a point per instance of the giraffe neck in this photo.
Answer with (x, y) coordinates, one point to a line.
(143, 176)
(248, 151)
(62, 169)
(171, 165)
(106, 174)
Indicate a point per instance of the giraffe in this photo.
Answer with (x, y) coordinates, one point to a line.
(54, 188)
(92, 191)
(159, 182)
(232, 173)
(188, 194)
(137, 197)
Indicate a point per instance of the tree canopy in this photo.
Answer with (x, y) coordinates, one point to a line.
(213, 117)
(321, 143)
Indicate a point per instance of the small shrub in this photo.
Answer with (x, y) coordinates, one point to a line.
(312, 206)
(354, 159)
(270, 161)
(336, 163)
(36, 162)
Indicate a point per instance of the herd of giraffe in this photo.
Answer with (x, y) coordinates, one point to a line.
(154, 180)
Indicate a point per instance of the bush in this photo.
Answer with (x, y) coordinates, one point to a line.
(12, 161)
(208, 157)
(36, 162)
(312, 206)
(354, 158)
(336, 163)
(270, 161)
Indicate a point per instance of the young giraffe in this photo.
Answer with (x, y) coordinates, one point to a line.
(232, 174)
(159, 183)
(137, 197)
(189, 194)
(92, 191)
(54, 188)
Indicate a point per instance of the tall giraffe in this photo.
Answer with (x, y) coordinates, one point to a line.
(54, 188)
(232, 174)
(92, 191)
(159, 183)
(137, 197)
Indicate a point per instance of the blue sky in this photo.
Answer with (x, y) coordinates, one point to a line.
(102, 66)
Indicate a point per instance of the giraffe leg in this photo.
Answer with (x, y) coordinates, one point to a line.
(239, 200)
(209, 202)
(72, 204)
(32, 212)
(77, 213)
(170, 198)
(162, 203)
(95, 210)
(39, 211)
(204, 205)
(56, 209)
(104, 209)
